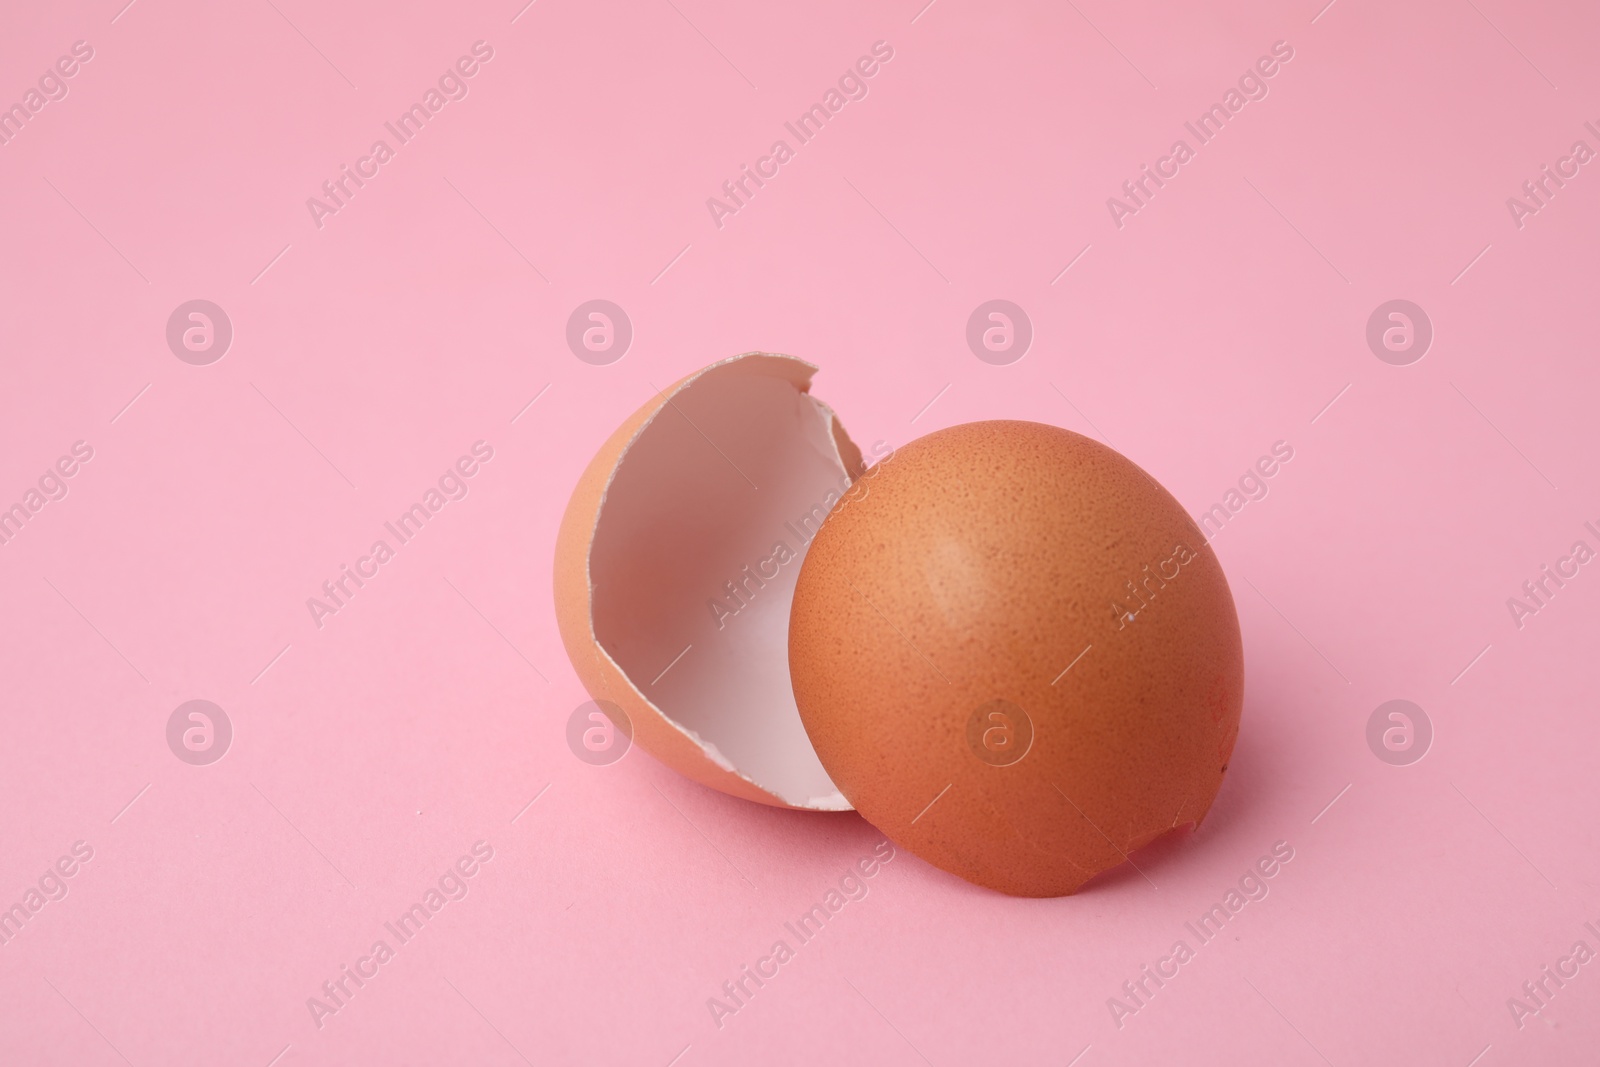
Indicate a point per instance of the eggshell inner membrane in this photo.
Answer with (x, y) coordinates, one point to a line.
(695, 555)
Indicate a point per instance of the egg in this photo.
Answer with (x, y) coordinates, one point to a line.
(1016, 655)
(675, 567)
(1004, 644)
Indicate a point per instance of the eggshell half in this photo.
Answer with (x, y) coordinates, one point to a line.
(1017, 656)
(675, 567)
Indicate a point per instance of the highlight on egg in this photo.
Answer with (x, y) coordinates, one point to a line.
(675, 569)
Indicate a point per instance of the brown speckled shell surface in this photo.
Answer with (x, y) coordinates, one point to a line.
(974, 565)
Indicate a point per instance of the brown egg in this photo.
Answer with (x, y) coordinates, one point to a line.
(675, 566)
(1016, 655)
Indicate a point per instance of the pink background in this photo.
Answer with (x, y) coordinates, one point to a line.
(367, 755)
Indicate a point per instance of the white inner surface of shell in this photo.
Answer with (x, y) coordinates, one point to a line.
(694, 559)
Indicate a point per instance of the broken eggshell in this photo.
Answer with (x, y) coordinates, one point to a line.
(675, 569)
(1017, 656)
